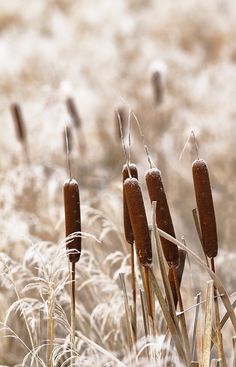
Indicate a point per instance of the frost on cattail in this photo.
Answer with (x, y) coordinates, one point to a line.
(120, 118)
(72, 218)
(19, 122)
(163, 218)
(127, 224)
(138, 220)
(205, 207)
(157, 80)
(73, 111)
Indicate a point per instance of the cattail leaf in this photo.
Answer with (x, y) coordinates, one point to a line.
(208, 325)
(172, 325)
(218, 284)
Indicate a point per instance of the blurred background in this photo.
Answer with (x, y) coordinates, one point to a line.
(103, 54)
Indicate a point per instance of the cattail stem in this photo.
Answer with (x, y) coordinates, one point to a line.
(134, 309)
(149, 298)
(220, 347)
(73, 313)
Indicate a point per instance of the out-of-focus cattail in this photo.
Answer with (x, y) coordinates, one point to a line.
(127, 224)
(73, 111)
(120, 118)
(205, 207)
(19, 122)
(67, 139)
(163, 218)
(72, 218)
(179, 272)
(138, 220)
(157, 81)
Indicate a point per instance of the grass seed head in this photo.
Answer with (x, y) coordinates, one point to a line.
(19, 122)
(205, 207)
(138, 220)
(72, 217)
(163, 218)
(127, 224)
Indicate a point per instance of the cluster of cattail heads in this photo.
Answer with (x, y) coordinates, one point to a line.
(205, 207)
(72, 219)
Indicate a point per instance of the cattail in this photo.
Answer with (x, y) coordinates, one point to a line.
(67, 139)
(127, 224)
(73, 111)
(19, 122)
(138, 220)
(163, 217)
(72, 218)
(205, 207)
(179, 272)
(120, 118)
(157, 81)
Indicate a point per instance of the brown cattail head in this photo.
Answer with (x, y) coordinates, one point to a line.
(157, 81)
(120, 118)
(127, 224)
(73, 111)
(72, 217)
(163, 217)
(19, 122)
(138, 220)
(205, 207)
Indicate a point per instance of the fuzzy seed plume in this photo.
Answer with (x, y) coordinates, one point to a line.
(138, 220)
(18, 121)
(127, 224)
(72, 217)
(205, 206)
(163, 218)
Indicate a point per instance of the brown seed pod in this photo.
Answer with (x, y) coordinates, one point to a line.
(138, 220)
(179, 272)
(205, 207)
(163, 218)
(127, 224)
(19, 122)
(73, 111)
(72, 217)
